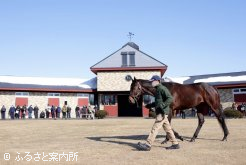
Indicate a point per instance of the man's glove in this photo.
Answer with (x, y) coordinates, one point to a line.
(150, 105)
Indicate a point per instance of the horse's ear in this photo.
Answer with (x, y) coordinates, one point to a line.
(134, 78)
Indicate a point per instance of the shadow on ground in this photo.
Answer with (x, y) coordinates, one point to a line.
(123, 140)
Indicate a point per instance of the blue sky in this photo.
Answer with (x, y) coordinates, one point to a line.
(64, 38)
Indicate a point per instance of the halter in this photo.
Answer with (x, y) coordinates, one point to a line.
(138, 93)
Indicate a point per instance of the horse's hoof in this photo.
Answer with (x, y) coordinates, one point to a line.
(224, 139)
(192, 140)
(182, 139)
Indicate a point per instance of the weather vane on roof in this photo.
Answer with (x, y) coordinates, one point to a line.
(130, 35)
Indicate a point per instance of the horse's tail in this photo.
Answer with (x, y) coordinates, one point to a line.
(220, 107)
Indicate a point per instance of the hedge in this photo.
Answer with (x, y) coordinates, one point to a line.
(231, 113)
(100, 114)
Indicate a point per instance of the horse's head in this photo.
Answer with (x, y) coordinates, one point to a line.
(136, 91)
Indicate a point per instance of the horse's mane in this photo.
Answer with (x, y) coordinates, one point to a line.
(146, 83)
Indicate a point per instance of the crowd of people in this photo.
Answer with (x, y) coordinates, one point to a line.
(241, 107)
(22, 112)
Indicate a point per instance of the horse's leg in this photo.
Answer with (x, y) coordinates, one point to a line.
(213, 100)
(177, 134)
(221, 118)
(200, 122)
(217, 109)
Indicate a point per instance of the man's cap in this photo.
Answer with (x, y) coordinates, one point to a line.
(155, 78)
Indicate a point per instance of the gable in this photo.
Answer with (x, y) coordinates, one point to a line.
(141, 59)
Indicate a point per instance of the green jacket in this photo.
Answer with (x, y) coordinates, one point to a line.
(163, 99)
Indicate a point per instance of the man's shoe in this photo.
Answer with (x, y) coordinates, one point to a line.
(174, 146)
(143, 147)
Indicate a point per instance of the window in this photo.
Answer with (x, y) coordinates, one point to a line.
(132, 58)
(91, 99)
(54, 94)
(108, 99)
(124, 58)
(21, 93)
(85, 95)
(239, 90)
(243, 90)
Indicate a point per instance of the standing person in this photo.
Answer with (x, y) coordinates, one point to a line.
(12, 112)
(58, 112)
(95, 108)
(77, 111)
(47, 111)
(17, 112)
(193, 112)
(83, 111)
(64, 112)
(182, 112)
(30, 110)
(52, 109)
(36, 109)
(91, 111)
(234, 106)
(23, 112)
(69, 112)
(3, 111)
(163, 99)
(243, 108)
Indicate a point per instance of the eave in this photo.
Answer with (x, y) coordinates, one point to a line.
(162, 69)
(49, 90)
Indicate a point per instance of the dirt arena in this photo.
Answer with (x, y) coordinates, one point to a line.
(113, 141)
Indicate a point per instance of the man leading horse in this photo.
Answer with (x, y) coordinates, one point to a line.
(163, 99)
(199, 95)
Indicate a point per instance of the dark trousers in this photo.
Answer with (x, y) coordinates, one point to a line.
(12, 115)
(183, 115)
(64, 115)
(53, 114)
(47, 114)
(58, 115)
(77, 114)
(29, 115)
(3, 115)
(23, 116)
(36, 114)
(193, 113)
(69, 115)
(17, 116)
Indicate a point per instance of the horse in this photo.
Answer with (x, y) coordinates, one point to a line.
(199, 95)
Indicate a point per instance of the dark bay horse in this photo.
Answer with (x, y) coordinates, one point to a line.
(199, 95)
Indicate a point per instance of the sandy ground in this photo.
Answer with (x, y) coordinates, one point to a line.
(113, 141)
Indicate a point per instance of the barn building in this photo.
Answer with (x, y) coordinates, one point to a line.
(114, 79)
(110, 88)
(231, 86)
